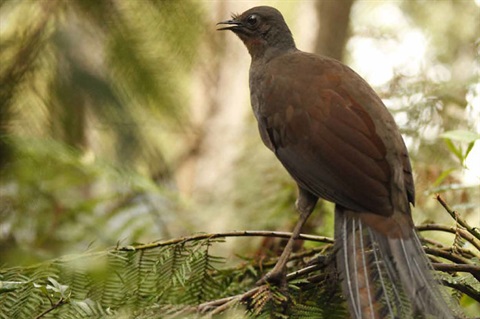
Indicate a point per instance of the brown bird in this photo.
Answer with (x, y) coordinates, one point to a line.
(335, 137)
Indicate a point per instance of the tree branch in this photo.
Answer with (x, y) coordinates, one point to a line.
(247, 233)
(473, 269)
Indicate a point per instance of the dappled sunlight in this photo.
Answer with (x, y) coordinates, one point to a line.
(385, 42)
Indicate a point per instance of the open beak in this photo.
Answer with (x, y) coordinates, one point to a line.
(231, 25)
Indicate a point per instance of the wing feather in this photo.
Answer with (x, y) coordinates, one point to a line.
(326, 140)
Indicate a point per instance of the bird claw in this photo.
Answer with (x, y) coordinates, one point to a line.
(275, 278)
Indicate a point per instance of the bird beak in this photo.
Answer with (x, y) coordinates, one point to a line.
(231, 25)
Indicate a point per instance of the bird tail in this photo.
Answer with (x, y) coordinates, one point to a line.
(386, 276)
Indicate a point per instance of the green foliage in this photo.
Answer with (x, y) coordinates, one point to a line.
(466, 137)
(459, 143)
(110, 282)
(91, 113)
(78, 71)
(60, 179)
(157, 280)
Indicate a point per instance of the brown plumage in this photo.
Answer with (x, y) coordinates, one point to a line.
(337, 140)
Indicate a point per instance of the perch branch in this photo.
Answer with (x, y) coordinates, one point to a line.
(222, 304)
(219, 305)
(248, 233)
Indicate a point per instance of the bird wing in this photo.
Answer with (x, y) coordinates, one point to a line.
(323, 134)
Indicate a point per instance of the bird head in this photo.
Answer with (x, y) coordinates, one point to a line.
(261, 29)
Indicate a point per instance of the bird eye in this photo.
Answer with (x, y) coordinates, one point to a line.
(252, 20)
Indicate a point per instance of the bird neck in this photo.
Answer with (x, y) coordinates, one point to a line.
(271, 45)
(263, 53)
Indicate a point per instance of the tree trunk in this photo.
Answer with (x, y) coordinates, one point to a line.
(334, 21)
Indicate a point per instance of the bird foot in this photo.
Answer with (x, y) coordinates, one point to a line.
(276, 278)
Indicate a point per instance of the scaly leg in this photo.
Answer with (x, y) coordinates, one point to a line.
(305, 204)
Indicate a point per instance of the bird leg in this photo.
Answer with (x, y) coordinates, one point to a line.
(305, 204)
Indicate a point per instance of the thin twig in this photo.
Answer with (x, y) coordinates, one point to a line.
(466, 289)
(453, 257)
(453, 230)
(204, 307)
(447, 254)
(56, 305)
(304, 271)
(463, 252)
(462, 222)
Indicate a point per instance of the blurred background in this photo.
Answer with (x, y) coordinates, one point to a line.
(127, 121)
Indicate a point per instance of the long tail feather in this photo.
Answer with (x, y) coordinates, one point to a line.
(386, 277)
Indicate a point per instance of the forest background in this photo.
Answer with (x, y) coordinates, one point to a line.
(128, 121)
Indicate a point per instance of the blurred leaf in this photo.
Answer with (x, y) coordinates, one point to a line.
(442, 176)
(6, 286)
(461, 135)
(469, 148)
(57, 287)
(457, 151)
